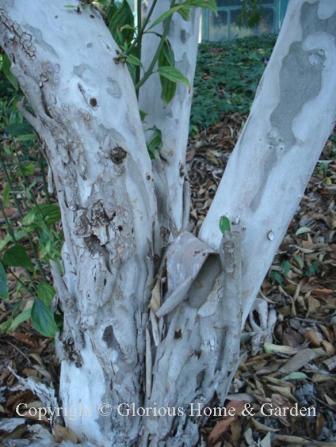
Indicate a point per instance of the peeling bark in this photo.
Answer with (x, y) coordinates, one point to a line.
(84, 107)
(198, 351)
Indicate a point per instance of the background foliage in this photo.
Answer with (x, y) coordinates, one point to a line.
(29, 218)
(227, 76)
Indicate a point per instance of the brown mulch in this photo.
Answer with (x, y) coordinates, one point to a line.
(207, 156)
(294, 363)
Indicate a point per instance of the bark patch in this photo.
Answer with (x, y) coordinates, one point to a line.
(305, 67)
(108, 336)
(299, 65)
(93, 102)
(117, 155)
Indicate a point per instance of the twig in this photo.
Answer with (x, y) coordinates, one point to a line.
(149, 364)
(19, 351)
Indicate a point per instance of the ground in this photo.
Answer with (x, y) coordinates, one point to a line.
(297, 362)
(288, 346)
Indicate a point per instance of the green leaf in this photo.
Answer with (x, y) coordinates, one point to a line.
(48, 213)
(3, 283)
(168, 89)
(167, 58)
(45, 292)
(17, 256)
(302, 230)
(19, 319)
(155, 144)
(224, 224)
(5, 241)
(43, 319)
(286, 267)
(184, 12)
(49, 245)
(18, 234)
(279, 349)
(133, 60)
(184, 9)
(276, 277)
(4, 326)
(6, 69)
(164, 16)
(299, 260)
(121, 22)
(297, 375)
(173, 74)
(28, 168)
(19, 129)
(5, 195)
(312, 269)
(143, 115)
(26, 138)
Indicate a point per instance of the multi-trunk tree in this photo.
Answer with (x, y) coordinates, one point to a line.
(153, 313)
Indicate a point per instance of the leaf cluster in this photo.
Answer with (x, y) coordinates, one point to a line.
(128, 34)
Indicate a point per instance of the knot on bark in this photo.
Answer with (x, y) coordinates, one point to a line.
(117, 155)
(71, 352)
(98, 214)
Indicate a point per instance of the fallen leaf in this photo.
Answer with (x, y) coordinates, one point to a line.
(222, 426)
(298, 361)
(262, 427)
(278, 349)
(329, 348)
(314, 337)
(330, 363)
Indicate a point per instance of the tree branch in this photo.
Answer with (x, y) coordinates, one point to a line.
(291, 118)
(171, 119)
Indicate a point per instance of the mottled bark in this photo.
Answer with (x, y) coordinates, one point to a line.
(84, 107)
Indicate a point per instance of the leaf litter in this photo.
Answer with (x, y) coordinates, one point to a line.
(291, 341)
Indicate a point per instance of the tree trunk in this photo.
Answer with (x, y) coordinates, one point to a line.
(84, 107)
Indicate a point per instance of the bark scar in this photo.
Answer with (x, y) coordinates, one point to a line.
(20, 36)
